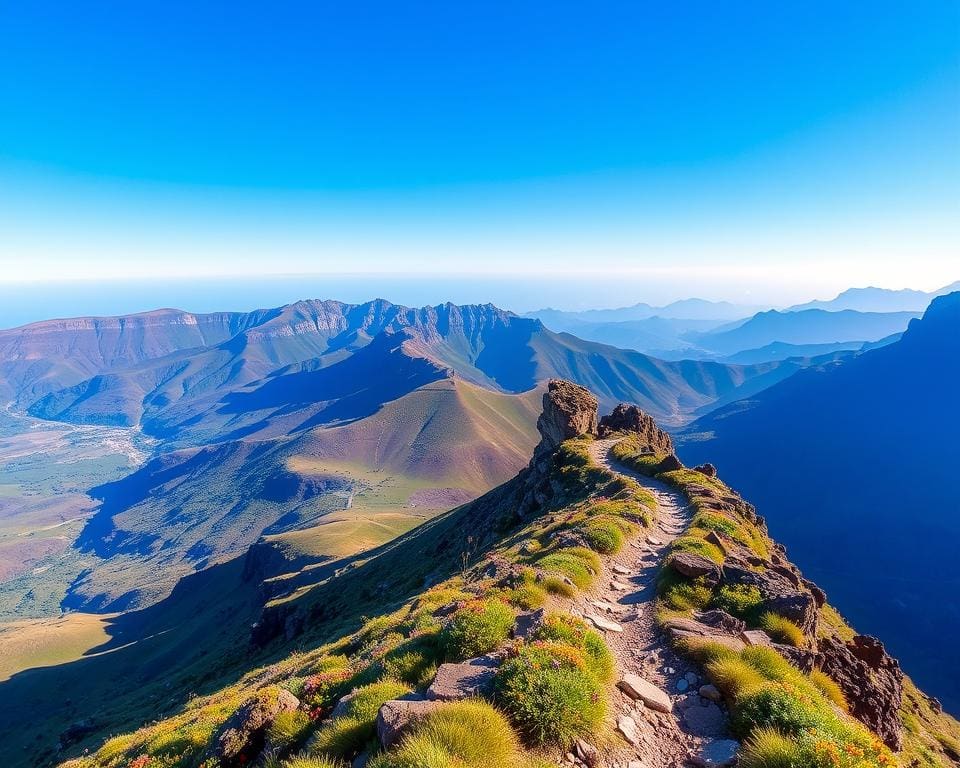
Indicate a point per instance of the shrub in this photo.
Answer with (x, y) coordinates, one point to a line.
(774, 705)
(829, 688)
(550, 694)
(733, 676)
(477, 628)
(782, 629)
(741, 600)
(681, 594)
(526, 596)
(350, 731)
(603, 535)
(463, 734)
(578, 564)
(768, 748)
(555, 585)
(563, 628)
(414, 661)
(698, 547)
(288, 730)
(306, 761)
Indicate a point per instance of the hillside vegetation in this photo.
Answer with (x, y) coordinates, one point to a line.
(475, 609)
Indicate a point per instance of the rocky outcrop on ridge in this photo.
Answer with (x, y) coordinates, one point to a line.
(629, 418)
(569, 410)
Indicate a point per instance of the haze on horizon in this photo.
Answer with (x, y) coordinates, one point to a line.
(763, 155)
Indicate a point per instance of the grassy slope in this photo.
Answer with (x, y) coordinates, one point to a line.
(931, 738)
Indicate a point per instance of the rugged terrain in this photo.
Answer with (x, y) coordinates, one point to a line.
(863, 454)
(698, 639)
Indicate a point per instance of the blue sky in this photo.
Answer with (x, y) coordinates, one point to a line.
(740, 149)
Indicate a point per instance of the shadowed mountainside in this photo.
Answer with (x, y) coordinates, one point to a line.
(863, 454)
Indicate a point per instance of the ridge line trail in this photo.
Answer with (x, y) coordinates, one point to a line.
(663, 740)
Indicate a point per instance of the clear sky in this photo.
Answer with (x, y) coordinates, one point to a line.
(771, 151)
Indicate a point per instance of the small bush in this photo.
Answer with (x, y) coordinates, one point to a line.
(288, 730)
(768, 748)
(555, 585)
(681, 594)
(306, 761)
(550, 694)
(578, 564)
(347, 734)
(414, 661)
(463, 734)
(603, 535)
(782, 629)
(563, 628)
(698, 547)
(774, 705)
(741, 600)
(526, 597)
(477, 628)
(829, 688)
(733, 676)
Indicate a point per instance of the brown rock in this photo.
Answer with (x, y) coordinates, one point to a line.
(461, 681)
(637, 688)
(706, 469)
(528, 623)
(871, 681)
(569, 410)
(630, 419)
(669, 464)
(396, 716)
(694, 566)
(242, 736)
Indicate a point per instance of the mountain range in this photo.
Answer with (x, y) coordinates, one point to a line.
(854, 464)
(879, 300)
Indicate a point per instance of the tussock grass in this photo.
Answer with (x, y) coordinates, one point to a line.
(830, 689)
(463, 734)
(555, 585)
(347, 734)
(768, 748)
(782, 629)
(578, 564)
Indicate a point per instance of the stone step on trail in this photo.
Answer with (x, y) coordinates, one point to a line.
(603, 623)
(653, 697)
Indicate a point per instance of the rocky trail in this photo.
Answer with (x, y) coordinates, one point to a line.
(663, 710)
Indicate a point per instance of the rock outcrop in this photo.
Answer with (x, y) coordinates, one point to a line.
(244, 734)
(569, 410)
(871, 681)
(629, 418)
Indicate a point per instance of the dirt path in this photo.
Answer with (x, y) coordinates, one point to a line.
(625, 597)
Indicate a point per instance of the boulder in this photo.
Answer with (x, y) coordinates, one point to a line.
(721, 620)
(871, 681)
(756, 637)
(627, 727)
(705, 721)
(714, 538)
(461, 681)
(629, 418)
(716, 754)
(397, 715)
(694, 566)
(569, 410)
(242, 736)
(528, 623)
(669, 464)
(637, 688)
(706, 469)
(779, 593)
(601, 622)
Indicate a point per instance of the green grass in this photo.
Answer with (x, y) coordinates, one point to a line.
(603, 535)
(830, 689)
(564, 628)
(550, 694)
(782, 630)
(477, 628)
(463, 734)
(741, 600)
(306, 761)
(348, 733)
(578, 564)
(768, 748)
(555, 585)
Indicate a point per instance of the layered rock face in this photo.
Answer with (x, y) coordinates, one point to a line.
(871, 680)
(569, 410)
(629, 418)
